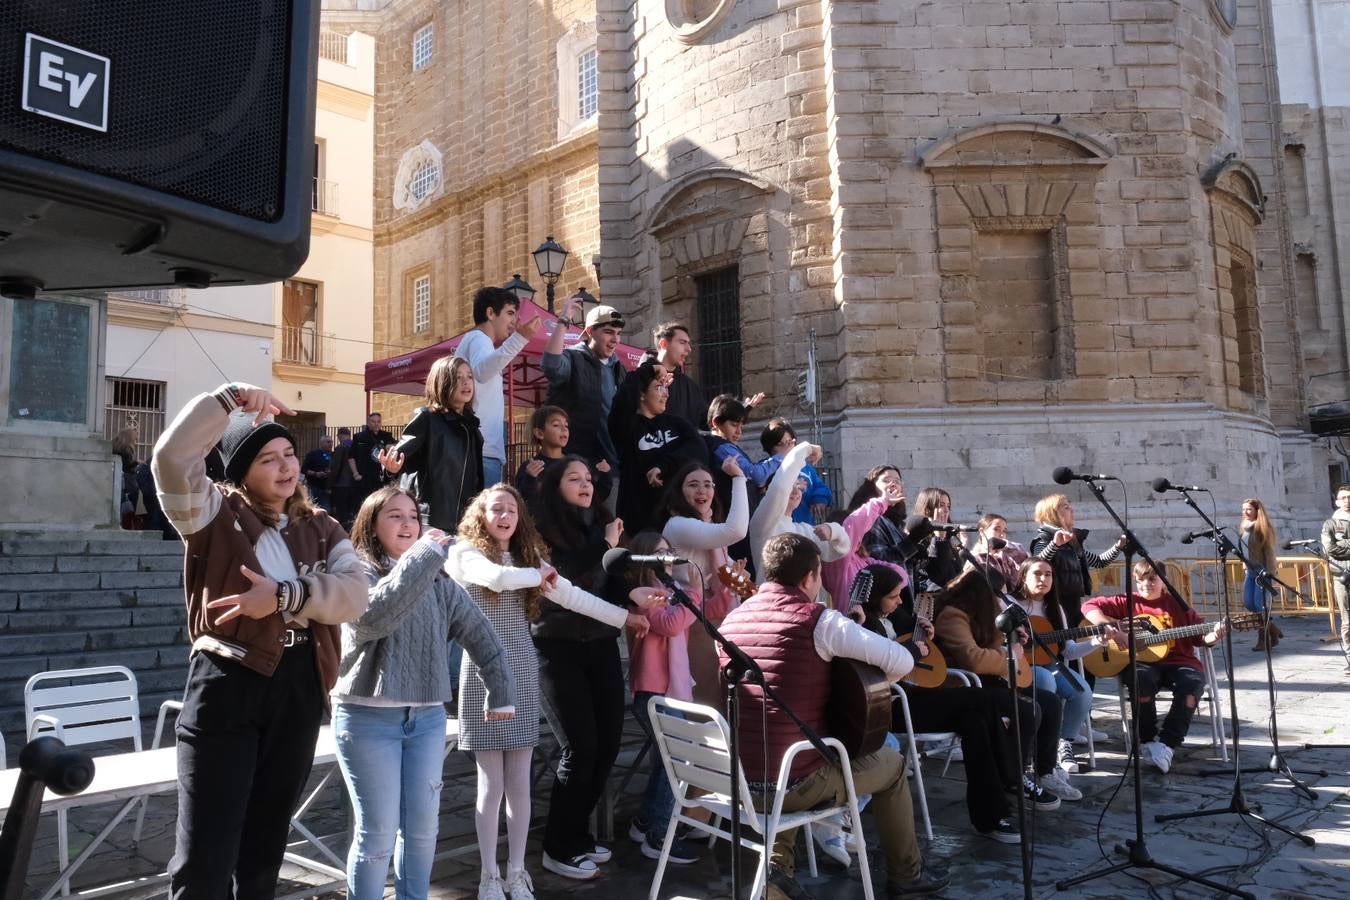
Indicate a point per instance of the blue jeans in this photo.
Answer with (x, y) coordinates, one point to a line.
(492, 471)
(391, 758)
(1253, 595)
(658, 800)
(1064, 682)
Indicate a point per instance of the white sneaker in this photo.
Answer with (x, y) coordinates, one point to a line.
(490, 887)
(830, 840)
(578, 867)
(1067, 761)
(600, 854)
(519, 885)
(1157, 754)
(1058, 783)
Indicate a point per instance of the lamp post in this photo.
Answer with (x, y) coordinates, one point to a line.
(520, 287)
(549, 259)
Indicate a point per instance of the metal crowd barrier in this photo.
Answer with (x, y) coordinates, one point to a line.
(1199, 580)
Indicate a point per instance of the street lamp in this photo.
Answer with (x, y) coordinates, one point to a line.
(549, 259)
(520, 287)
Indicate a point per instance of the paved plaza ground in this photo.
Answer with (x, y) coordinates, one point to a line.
(1313, 707)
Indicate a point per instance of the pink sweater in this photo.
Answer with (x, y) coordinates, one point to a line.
(838, 575)
(658, 663)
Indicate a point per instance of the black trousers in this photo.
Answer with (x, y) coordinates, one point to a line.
(245, 748)
(972, 714)
(1185, 681)
(582, 694)
(1041, 713)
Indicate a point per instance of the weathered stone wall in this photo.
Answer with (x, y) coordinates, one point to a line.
(893, 162)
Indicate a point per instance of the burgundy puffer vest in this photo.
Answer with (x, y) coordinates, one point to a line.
(776, 629)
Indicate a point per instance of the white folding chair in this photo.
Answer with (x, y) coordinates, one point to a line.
(82, 706)
(694, 743)
(911, 738)
(1218, 733)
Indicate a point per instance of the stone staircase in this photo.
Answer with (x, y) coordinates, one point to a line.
(90, 598)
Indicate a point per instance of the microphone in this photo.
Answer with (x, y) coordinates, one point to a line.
(619, 558)
(919, 528)
(1190, 536)
(1290, 545)
(1012, 618)
(1063, 475)
(1162, 485)
(996, 543)
(953, 529)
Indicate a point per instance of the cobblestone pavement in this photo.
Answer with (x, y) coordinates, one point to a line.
(1313, 706)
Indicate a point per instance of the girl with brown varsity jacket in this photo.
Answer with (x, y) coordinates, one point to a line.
(269, 578)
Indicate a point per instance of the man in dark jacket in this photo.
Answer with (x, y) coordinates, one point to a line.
(687, 399)
(340, 478)
(315, 469)
(583, 381)
(367, 474)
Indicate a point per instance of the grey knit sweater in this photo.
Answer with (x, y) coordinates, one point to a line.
(398, 649)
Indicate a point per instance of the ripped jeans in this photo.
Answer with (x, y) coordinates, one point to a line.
(391, 758)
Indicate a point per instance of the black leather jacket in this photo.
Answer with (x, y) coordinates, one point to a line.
(443, 464)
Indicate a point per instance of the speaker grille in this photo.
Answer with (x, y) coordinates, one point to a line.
(197, 95)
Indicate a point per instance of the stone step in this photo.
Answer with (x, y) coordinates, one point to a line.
(49, 545)
(37, 601)
(110, 533)
(32, 565)
(89, 581)
(18, 669)
(91, 639)
(75, 620)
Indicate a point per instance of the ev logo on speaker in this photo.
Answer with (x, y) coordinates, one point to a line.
(65, 82)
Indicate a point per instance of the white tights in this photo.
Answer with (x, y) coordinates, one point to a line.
(503, 773)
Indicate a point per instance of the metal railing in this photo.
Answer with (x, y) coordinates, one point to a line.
(305, 345)
(1199, 580)
(333, 46)
(325, 200)
(160, 297)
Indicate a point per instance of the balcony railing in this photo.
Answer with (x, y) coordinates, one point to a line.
(160, 297)
(304, 345)
(333, 46)
(326, 197)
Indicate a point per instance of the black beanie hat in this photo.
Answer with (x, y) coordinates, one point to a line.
(243, 441)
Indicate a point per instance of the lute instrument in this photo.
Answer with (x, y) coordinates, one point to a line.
(1048, 641)
(1153, 640)
(859, 713)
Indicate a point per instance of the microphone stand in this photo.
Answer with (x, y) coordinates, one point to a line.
(1139, 857)
(1008, 622)
(1277, 762)
(740, 669)
(1237, 803)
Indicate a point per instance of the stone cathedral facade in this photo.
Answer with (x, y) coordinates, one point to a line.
(1016, 234)
(1025, 234)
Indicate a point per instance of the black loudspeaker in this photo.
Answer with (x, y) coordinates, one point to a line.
(149, 143)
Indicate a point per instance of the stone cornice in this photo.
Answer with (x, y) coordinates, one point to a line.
(343, 100)
(139, 314)
(553, 158)
(1026, 414)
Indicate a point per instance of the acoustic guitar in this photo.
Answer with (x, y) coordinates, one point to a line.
(1048, 641)
(931, 670)
(1153, 640)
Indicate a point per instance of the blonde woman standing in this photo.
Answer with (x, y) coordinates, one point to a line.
(1257, 541)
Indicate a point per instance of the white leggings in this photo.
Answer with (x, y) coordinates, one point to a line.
(503, 773)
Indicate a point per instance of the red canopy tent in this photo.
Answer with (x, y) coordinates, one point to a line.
(525, 379)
